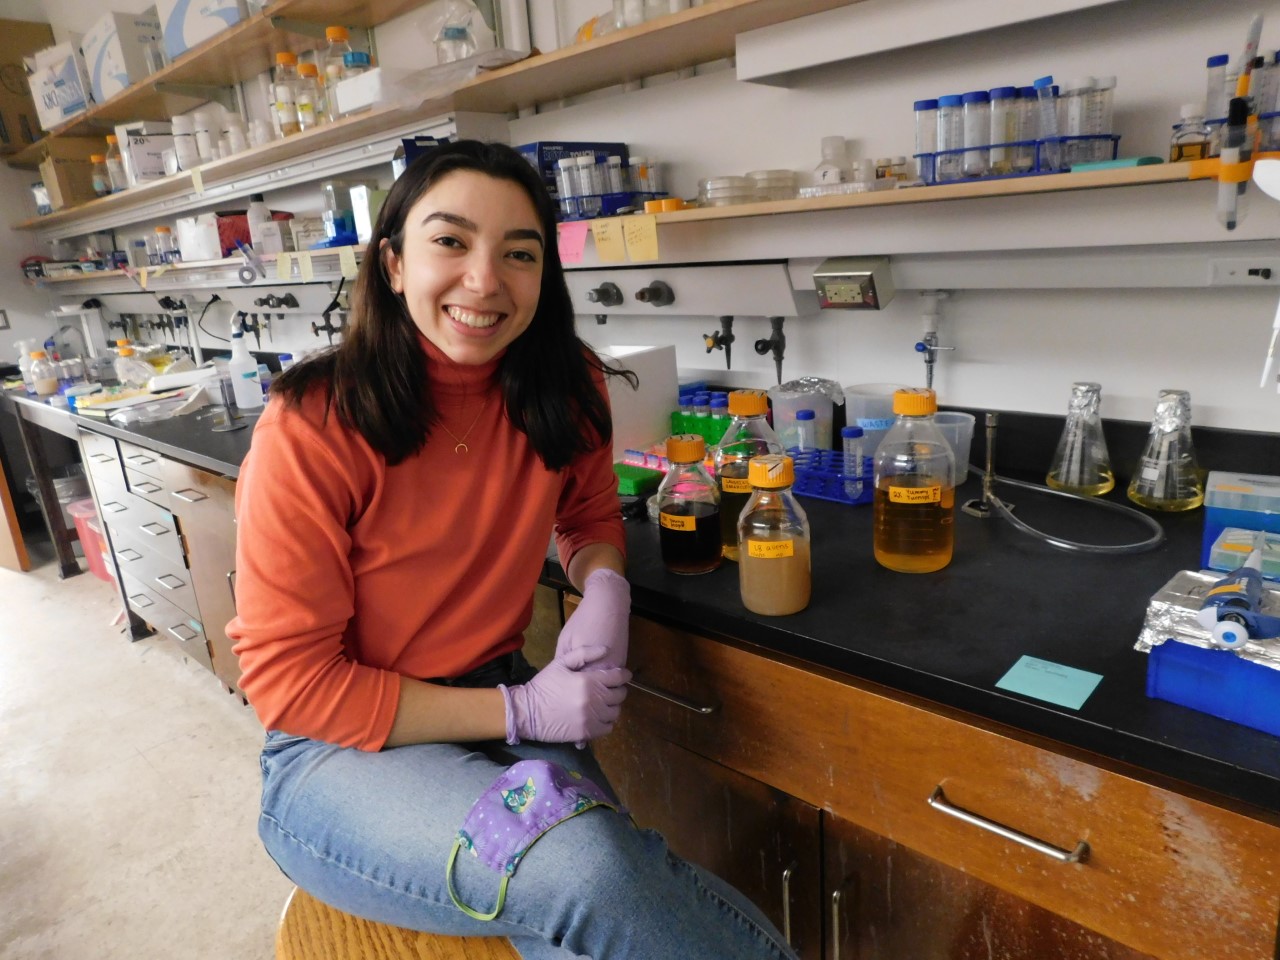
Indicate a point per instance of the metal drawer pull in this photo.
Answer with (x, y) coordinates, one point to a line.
(141, 600)
(672, 698)
(141, 458)
(193, 499)
(102, 457)
(115, 506)
(128, 553)
(182, 626)
(159, 532)
(835, 925)
(146, 487)
(231, 585)
(176, 585)
(786, 903)
(938, 800)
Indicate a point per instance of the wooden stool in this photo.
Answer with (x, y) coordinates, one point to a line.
(311, 930)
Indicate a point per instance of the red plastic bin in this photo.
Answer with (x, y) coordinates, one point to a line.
(86, 521)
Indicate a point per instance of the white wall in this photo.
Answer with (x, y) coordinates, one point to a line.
(1015, 349)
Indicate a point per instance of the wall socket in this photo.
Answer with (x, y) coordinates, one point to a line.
(1245, 272)
(853, 283)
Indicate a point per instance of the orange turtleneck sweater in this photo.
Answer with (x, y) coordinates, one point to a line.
(351, 573)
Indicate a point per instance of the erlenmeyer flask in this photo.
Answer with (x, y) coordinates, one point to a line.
(1166, 476)
(1081, 464)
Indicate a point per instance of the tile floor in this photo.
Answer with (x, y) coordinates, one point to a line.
(128, 790)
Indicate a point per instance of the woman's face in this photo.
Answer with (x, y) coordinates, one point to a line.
(471, 265)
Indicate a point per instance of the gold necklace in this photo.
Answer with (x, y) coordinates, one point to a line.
(461, 445)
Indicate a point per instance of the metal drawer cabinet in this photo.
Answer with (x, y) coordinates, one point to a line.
(101, 458)
(168, 620)
(135, 520)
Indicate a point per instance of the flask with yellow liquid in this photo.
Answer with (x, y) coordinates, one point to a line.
(748, 435)
(914, 506)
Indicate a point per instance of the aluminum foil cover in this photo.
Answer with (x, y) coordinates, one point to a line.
(1171, 615)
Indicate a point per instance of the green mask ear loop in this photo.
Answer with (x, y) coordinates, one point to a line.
(453, 894)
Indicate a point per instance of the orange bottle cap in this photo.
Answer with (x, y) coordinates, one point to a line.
(771, 471)
(286, 58)
(653, 206)
(96, 158)
(686, 448)
(336, 34)
(308, 70)
(670, 203)
(915, 402)
(748, 403)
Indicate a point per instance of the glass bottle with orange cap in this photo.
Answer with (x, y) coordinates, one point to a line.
(914, 505)
(748, 435)
(774, 565)
(688, 509)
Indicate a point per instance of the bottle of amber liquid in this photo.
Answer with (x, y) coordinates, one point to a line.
(688, 509)
(748, 435)
(774, 570)
(914, 506)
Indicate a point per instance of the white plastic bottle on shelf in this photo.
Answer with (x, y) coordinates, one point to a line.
(835, 158)
(334, 67)
(309, 101)
(285, 92)
(243, 370)
(184, 143)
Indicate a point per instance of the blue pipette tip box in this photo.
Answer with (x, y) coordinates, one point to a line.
(1116, 163)
(1217, 682)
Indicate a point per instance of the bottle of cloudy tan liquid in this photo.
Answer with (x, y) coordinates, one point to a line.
(774, 571)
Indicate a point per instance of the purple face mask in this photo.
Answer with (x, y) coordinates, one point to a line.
(526, 801)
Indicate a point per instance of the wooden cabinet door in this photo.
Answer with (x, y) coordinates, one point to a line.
(762, 841)
(204, 504)
(886, 901)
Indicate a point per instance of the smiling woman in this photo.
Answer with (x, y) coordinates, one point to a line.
(393, 516)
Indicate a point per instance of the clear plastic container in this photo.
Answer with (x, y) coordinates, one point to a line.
(115, 165)
(43, 373)
(688, 509)
(1047, 124)
(310, 101)
(1102, 115)
(588, 181)
(775, 573)
(333, 63)
(1076, 102)
(101, 179)
(285, 90)
(1005, 128)
(614, 179)
(977, 132)
(1024, 157)
(835, 161)
(773, 184)
(1081, 464)
(1166, 476)
(1216, 94)
(851, 442)
(748, 435)
(914, 505)
(926, 116)
(165, 247)
(806, 431)
(130, 371)
(454, 40)
(949, 166)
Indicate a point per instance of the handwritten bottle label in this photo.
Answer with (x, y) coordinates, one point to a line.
(735, 484)
(771, 549)
(915, 494)
(673, 522)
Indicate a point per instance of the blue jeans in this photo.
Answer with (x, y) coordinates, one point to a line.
(370, 834)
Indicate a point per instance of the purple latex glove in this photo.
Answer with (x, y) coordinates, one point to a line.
(602, 618)
(564, 702)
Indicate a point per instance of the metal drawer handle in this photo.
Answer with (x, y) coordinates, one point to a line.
(141, 458)
(835, 925)
(786, 902)
(672, 698)
(176, 585)
(938, 800)
(195, 499)
(231, 585)
(138, 601)
(115, 506)
(147, 487)
(128, 553)
(145, 528)
(182, 626)
(102, 457)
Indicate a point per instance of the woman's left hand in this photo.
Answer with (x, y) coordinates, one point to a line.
(602, 619)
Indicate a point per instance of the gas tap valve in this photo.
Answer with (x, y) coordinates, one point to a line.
(656, 294)
(606, 295)
(722, 340)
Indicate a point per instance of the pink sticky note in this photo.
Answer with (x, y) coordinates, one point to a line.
(572, 238)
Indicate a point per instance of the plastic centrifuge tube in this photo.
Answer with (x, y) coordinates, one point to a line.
(1215, 91)
(588, 185)
(567, 186)
(950, 138)
(1047, 125)
(851, 440)
(977, 132)
(926, 113)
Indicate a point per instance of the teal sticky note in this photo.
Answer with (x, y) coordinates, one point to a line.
(1045, 680)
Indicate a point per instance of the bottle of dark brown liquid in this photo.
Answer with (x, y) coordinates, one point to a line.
(688, 509)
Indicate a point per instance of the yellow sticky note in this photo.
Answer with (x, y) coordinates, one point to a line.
(197, 181)
(347, 262)
(142, 278)
(610, 246)
(305, 270)
(641, 235)
(284, 266)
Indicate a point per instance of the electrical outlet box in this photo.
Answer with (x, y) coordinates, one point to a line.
(1242, 272)
(854, 283)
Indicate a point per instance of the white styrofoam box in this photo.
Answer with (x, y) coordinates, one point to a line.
(186, 23)
(371, 88)
(198, 238)
(114, 52)
(641, 416)
(59, 84)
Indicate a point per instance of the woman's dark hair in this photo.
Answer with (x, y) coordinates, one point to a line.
(376, 378)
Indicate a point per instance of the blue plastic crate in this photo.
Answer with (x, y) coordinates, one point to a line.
(821, 474)
(1217, 682)
(928, 161)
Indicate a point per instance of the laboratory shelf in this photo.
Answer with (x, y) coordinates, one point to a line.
(1013, 187)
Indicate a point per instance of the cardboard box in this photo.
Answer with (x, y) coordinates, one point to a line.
(115, 52)
(66, 171)
(186, 23)
(59, 84)
(19, 125)
(545, 154)
(307, 232)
